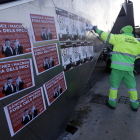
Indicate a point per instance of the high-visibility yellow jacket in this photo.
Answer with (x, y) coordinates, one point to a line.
(125, 48)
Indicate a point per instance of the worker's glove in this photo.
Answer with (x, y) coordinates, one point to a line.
(94, 28)
(90, 27)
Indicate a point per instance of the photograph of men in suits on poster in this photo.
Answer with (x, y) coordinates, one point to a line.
(18, 48)
(51, 62)
(49, 34)
(77, 36)
(33, 113)
(26, 117)
(59, 89)
(46, 64)
(8, 88)
(44, 34)
(77, 58)
(67, 36)
(19, 84)
(56, 93)
(84, 55)
(7, 49)
(67, 58)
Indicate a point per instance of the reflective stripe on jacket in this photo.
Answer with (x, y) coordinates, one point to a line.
(126, 49)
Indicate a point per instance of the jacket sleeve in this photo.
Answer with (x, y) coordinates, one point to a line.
(110, 38)
(138, 55)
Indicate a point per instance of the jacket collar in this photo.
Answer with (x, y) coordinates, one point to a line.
(128, 34)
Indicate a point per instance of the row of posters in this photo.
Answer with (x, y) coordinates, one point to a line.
(24, 110)
(75, 53)
(70, 26)
(17, 76)
(15, 40)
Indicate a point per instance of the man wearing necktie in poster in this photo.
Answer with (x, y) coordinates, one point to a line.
(46, 64)
(9, 87)
(43, 34)
(18, 48)
(19, 84)
(7, 50)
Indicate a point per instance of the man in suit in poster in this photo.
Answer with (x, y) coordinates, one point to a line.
(19, 84)
(51, 62)
(46, 64)
(8, 87)
(67, 36)
(34, 112)
(26, 117)
(59, 89)
(49, 34)
(18, 48)
(56, 94)
(43, 34)
(7, 50)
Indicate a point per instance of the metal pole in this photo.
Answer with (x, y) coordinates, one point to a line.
(101, 40)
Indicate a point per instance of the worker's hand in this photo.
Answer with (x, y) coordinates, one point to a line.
(94, 28)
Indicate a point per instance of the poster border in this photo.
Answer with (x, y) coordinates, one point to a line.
(36, 63)
(32, 74)
(8, 117)
(29, 40)
(60, 94)
(33, 30)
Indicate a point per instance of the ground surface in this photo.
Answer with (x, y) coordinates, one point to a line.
(97, 121)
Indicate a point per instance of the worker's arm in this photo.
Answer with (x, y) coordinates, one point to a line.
(138, 55)
(110, 38)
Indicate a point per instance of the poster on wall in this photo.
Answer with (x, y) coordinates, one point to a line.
(43, 27)
(63, 24)
(24, 110)
(14, 40)
(82, 28)
(83, 51)
(45, 57)
(76, 53)
(16, 76)
(55, 87)
(90, 52)
(74, 24)
(67, 55)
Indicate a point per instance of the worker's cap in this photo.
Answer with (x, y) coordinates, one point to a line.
(127, 29)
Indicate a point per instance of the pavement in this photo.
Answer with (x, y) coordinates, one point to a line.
(98, 122)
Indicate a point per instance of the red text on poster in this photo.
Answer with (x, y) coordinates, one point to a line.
(55, 87)
(14, 39)
(43, 27)
(15, 76)
(45, 57)
(24, 110)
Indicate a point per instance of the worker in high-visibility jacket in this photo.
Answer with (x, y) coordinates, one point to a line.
(125, 50)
